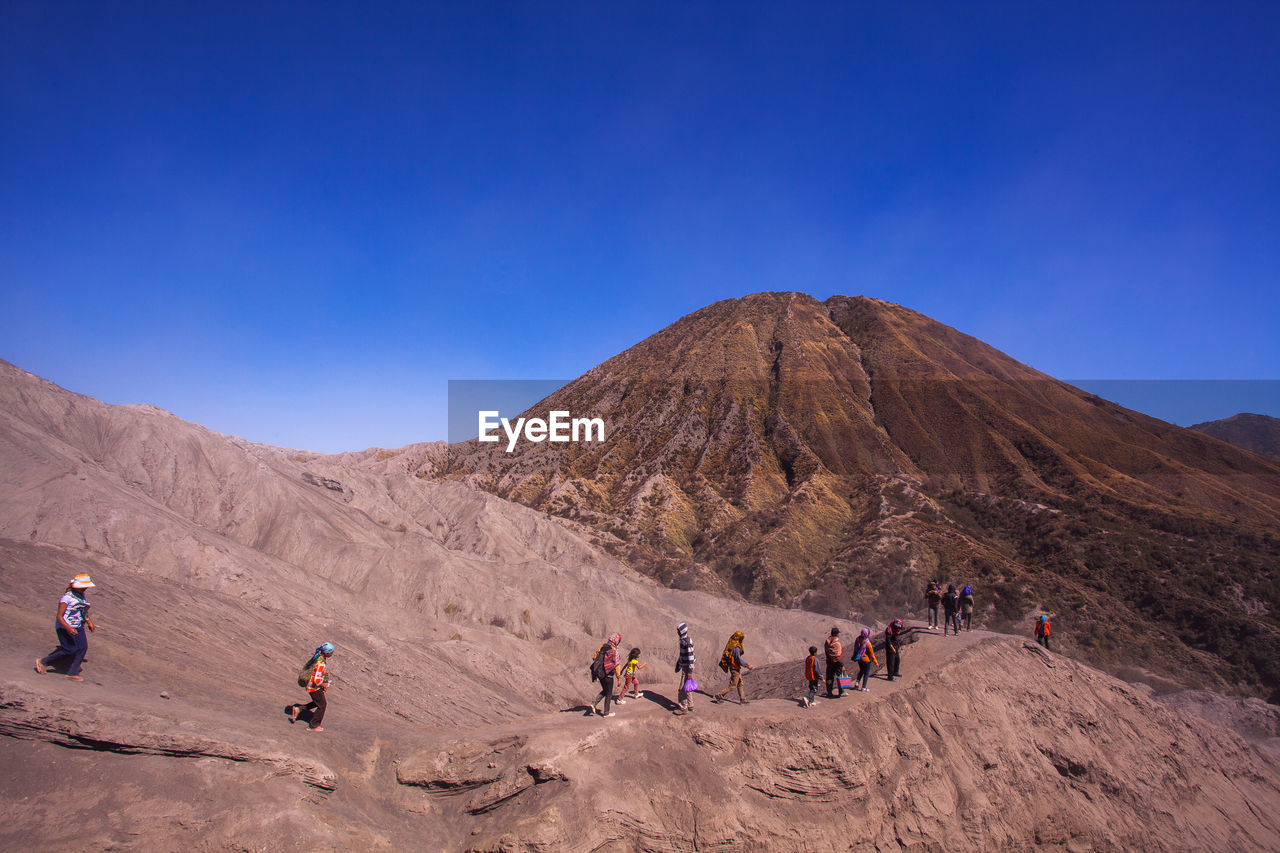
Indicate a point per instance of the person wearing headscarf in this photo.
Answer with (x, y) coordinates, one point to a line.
(317, 687)
(610, 650)
(684, 669)
(893, 649)
(72, 626)
(864, 655)
(732, 657)
(1042, 631)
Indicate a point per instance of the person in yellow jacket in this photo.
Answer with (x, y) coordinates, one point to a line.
(865, 655)
(732, 660)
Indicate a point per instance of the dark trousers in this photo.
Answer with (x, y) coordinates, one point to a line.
(69, 647)
(606, 690)
(1043, 640)
(864, 672)
(316, 706)
(892, 661)
(968, 619)
(834, 669)
(949, 621)
(933, 615)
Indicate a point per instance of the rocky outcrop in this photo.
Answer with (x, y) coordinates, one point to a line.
(27, 714)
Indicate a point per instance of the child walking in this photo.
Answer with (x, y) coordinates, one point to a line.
(814, 676)
(629, 680)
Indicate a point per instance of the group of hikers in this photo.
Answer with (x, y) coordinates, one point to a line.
(863, 654)
(607, 667)
(957, 607)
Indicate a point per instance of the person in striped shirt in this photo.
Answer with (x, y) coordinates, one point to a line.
(684, 666)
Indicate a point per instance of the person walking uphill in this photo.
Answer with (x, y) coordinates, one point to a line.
(684, 669)
(73, 619)
(315, 678)
(1042, 631)
(732, 661)
(835, 665)
(603, 668)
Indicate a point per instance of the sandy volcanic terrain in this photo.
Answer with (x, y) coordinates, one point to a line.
(464, 624)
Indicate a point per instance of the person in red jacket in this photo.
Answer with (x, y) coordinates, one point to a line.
(1042, 631)
(813, 675)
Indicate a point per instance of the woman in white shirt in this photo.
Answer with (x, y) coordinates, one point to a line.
(73, 620)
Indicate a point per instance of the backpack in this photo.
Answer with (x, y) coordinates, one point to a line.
(597, 664)
(304, 677)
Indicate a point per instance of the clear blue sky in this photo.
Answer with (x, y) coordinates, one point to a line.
(295, 222)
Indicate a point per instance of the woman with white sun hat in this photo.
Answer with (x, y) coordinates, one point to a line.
(73, 620)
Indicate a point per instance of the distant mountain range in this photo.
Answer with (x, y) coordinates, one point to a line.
(838, 455)
(1258, 433)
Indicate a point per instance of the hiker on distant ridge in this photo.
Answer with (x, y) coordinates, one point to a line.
(893, 649)
(732, 662)
(966, 606)
(933, 594)
(603, 667)
(73, 619)
(315, 678)
(865, 655)
(813, 675)
(684, 668)
(950, 606)
(835, 664)
(1042, 631)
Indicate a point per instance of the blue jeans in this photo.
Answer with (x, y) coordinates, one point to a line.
(69, 647)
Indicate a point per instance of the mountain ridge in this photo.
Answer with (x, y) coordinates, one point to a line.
(839, 454)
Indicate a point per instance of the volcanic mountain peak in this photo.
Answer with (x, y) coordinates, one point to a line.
(839, 454)
(464, 625)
